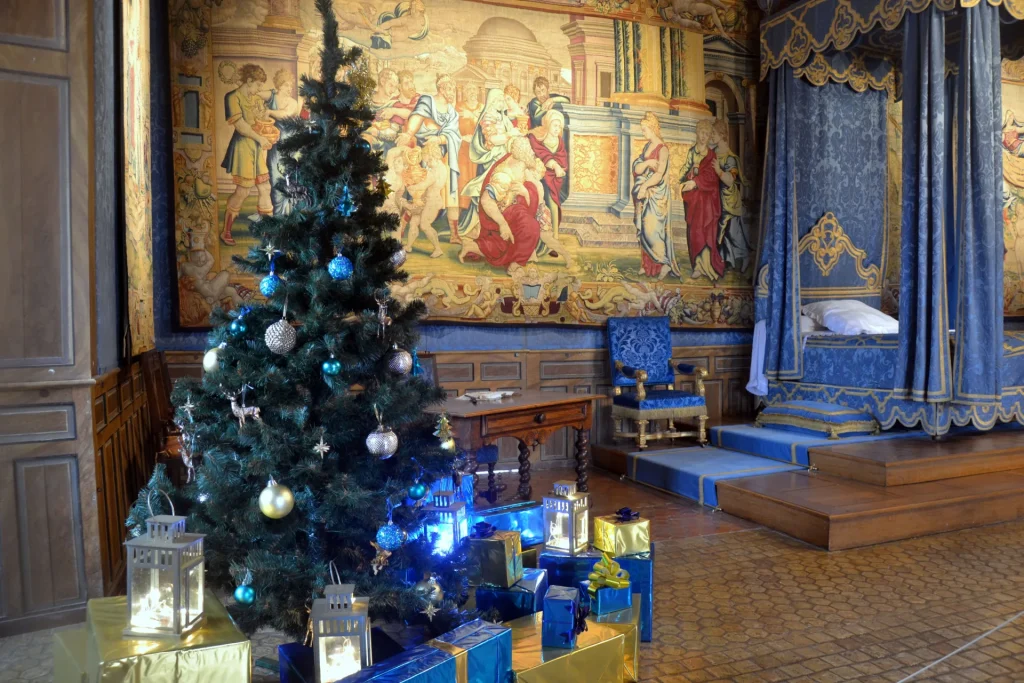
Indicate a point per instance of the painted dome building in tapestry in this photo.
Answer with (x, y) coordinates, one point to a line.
(505, 52)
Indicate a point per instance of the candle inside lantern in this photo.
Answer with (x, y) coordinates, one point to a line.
(339, 656)
(558, 532)
(154, 610)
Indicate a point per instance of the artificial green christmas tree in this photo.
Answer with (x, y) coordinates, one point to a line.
(308, 429)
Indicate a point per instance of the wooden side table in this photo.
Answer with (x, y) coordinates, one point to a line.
(529, 417)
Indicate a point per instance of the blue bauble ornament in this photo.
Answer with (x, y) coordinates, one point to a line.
(269, 284)
(331, 367)
(363, 146)
(390, 537)
(340, 268)
(417, 491)
(237, 327)
(245, 595)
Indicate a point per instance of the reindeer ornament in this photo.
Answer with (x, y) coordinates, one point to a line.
(240, 410)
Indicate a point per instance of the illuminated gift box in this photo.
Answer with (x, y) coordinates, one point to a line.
(499, 555)
(165, 580)
(624, 533)
(597, 658)
(525, 597)
(216, 651)
(563, 615)
(476, 652)
(69, 655)
(566, 519)
(450, 525)
(626, 622)
(341, 633)
(526, 517)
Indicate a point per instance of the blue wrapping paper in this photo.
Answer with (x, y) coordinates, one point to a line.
(295, 663)
(525, 597)
(641, 579)
(568, 570)
(607, 599)
(488, 650)
(421, 664)
(559, 621)
(526, 517)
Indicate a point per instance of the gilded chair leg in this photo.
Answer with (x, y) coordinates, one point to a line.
(702, 439)
(671, 425)
(641, 434)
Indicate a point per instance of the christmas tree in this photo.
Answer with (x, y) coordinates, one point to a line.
(307, 432)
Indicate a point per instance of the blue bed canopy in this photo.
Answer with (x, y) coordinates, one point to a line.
(832, 68)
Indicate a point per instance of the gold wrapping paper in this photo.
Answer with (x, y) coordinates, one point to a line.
(500, 557)
(461, 658)
(597, 658)
(622, 538)
(626, 622)
(215, 653)
(69, 655)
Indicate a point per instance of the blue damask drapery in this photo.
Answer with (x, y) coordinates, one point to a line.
(777, 302)
(923, 369)
(979, 328)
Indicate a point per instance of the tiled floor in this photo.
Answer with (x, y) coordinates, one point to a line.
(735, 602)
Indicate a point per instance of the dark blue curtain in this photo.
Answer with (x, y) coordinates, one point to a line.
(923, 368)
(952, 245)
(777, 302)
(979, 330)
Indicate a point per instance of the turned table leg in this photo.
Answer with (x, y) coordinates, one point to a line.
(524, 471)
(582, 458)
(471, 468)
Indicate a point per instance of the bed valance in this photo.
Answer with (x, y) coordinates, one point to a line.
(859, 70)
(823, 26)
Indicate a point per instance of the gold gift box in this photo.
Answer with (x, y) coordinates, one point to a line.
(626, 622)
(620, 538)
(500, 557)
(69, 655)
(217, 652)
(597, 658)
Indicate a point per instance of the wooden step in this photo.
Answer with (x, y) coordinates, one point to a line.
(897, 462)
(837, 514)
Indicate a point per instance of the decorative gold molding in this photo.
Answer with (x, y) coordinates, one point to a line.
(827, 241)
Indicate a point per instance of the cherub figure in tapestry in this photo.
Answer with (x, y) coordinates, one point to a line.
(733, 237)
(652, 203)
(702, 196)
(282, 104)
(246, 158)
(408, 21)
(435, 118)
(690, 12)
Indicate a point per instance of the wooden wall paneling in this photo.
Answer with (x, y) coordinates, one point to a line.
(37, 23)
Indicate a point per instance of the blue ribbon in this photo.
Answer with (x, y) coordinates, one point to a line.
(627, 515)
(579, 621)
(483, 530)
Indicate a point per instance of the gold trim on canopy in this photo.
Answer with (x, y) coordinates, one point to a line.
(820, 71)
(827, 241)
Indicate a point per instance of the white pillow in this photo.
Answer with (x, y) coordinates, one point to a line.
(810, 325)
(851, 317)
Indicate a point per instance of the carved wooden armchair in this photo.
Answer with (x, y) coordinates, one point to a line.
(640, 350)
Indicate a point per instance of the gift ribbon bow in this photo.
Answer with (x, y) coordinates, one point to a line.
(627, 515)
(483, 530)
(607, 572)
(579, 621)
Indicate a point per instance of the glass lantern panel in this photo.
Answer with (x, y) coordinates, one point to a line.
(339, 656)
(152, 599)
(445, 536)
(557, 524)
(582, 528)
(192, 594)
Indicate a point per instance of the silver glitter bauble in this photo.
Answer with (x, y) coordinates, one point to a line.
(382, 442)
(430, 590)
(399, 361)
(398, 258)
(280, 337)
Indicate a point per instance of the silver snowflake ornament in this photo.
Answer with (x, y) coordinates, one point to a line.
(321, 448)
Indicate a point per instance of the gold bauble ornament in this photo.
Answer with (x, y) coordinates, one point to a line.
(276, 501)
(211, 360)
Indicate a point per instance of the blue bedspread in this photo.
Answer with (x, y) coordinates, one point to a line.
(865, 361)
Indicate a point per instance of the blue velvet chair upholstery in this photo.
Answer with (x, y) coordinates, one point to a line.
(640, 352)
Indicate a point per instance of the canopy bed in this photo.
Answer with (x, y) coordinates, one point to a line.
(832, 67)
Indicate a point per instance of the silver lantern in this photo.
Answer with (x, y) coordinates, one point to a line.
(566, 519)
(451, 526)
(341, 634)
(165, 579)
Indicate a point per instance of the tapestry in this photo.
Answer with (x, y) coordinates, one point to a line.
(137, 184)
(1013, 187)
(557, 166)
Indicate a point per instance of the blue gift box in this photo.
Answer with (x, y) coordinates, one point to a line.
(523, 598)
(558, 626)
(568, 570)
(641, 579)
(526, 517)
(606, 599)
(295, 663)
(481, 649)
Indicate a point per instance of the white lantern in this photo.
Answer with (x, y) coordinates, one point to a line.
(451, 526)
(165, 579)
(566, 519)
(341, 633)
